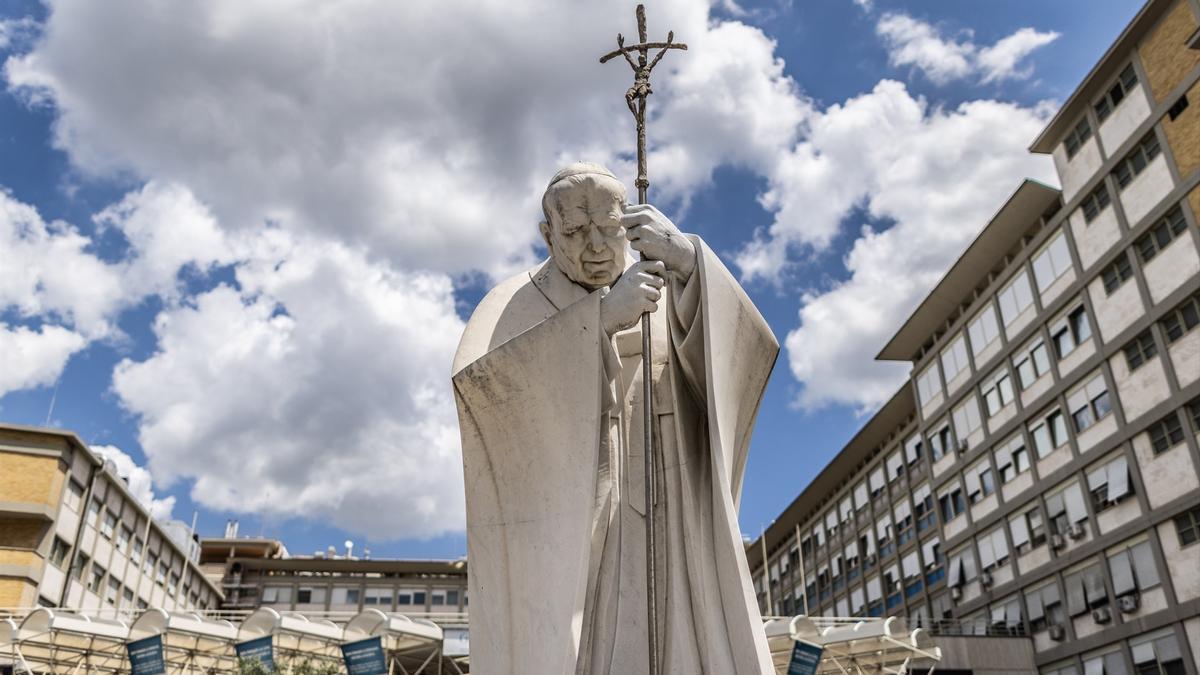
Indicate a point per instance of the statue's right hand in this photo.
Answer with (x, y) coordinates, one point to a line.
(636, 292)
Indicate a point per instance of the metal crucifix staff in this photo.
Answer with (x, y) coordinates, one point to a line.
(635, 98)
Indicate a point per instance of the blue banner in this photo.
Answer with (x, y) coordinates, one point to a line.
(259, 649)
(805, 659)
(365, 657)
(146, 656)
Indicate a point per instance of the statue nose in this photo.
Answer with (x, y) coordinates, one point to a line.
(595, 238)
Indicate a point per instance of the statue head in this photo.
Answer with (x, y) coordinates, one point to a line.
(583, 206)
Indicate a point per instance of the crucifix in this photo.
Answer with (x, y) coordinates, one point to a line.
(635, 98)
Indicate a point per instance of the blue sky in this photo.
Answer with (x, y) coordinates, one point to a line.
(254, 236)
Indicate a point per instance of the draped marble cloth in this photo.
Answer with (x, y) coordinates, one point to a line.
(551, 421)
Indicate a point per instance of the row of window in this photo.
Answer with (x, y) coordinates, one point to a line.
(1113, 96)
(371, 597)
(1107, 483)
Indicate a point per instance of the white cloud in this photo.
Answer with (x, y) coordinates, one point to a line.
(938, 174)
(912, 42)
(319, 390)
(15, 31)
(34, 358)
(999, 62)
(49, 271)
(139, 481)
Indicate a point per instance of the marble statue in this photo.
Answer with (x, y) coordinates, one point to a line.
(547, 381)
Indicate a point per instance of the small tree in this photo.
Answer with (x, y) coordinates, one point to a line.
(306, 667)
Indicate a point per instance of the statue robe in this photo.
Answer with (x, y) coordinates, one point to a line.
(551, 420)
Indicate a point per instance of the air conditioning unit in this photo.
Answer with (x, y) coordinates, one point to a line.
(1058, 633)
(1101, 615)
(871, 559)
(986, 579)
(956, 593)
(1057, 541)
(1077, 531)
(1128, 603)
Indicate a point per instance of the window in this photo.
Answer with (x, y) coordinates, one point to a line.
(1049, 433)
(1109, 483)
(1051, 262)
(304, 596)
(78, 567)
(136, 553)
(173, 584)
(962, 568)
(1085, 589)
(980, 481)
(939, 443)
(923, 507)
(1117, 93)
(831, 523)
(419, 598)
(109, 524)
(912, 450)
(1015, 297)
(951, 503)
(1159, 656)
(966, 417)
(1031, 363)
(846, 511)
(1012, 458)
(1090, 403)
(123, 536)
(1066, 508)
(883, 531)
(59, 551)
(1182, 319)
(1161, 234)
(1140, 350)
(97, 579)
(151, 562)
(1070, 331)
(1193, 407)
(928, 385)
(1077, 137)
(379, 596)
(983, 329)
(861, 498)
(1137, 160)
(1095, 202)
(1166, 433)
(1044, 608)
(993, 549)
(93, 513)
(954, 358)
(1116, 273)
(438, 598)
(1187, 526)
(1131, 568)
(895, 466)
(277, 595)
(74, 495)
(160, 576)
(997, 391)
(1177, 107)
(1112, 663)
(904, 522)
(112, 592)
(1028, 531)
(452, 598)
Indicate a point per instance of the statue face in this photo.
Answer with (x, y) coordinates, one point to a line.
(585, 237)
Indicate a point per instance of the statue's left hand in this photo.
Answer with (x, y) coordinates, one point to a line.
(654, 235)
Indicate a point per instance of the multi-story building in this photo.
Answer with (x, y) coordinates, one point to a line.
(257, 572)
(72, 535)
(1037, 475)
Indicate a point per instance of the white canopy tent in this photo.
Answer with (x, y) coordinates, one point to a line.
(852, 646)
(191, 643)
(411, 646)
(53, 641)
(295, 638)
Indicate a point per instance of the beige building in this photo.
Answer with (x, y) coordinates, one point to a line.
(1037, 476)
(258, 572)
(72, 535)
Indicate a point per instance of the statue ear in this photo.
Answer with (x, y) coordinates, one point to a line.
(544, 228)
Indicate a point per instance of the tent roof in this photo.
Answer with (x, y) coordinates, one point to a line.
(266, 621)
(157, 621)
(372, 622)
(853, 645)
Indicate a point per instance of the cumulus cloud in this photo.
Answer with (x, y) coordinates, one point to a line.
(34, 358)
(937, 174)
(368, 122)
(912, 42)
(318, 389)
(139, 481)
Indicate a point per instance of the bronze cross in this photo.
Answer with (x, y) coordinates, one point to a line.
(635, 98)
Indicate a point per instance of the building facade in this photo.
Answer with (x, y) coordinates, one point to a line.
(257, 572)
(72, 534)
(1037, 475)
